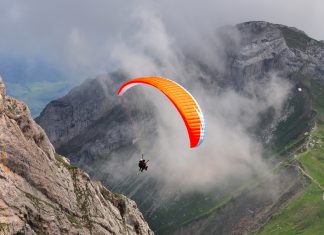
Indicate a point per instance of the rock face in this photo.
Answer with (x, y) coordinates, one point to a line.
(94, 102)
(41, 193)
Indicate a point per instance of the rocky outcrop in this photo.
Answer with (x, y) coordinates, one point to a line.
(2, 95)
(41, 193)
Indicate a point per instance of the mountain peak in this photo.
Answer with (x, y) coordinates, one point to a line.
(263, 31)
(265, 24)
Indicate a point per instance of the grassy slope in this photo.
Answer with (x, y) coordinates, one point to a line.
(37, 94)
(196, 206)
(305, 213)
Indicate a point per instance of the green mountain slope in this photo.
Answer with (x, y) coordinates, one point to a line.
(38, 93)
(305, 213)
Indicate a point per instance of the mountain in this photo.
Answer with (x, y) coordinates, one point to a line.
(93, 128)
(38, 94)
(41, 193)
(34, 82)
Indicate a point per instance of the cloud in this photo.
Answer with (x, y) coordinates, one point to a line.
(230, 151)
(78, 36)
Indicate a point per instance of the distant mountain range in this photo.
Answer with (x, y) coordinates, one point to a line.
(35, 83)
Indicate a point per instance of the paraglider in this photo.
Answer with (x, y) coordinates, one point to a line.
(184, 102)
(142, 164)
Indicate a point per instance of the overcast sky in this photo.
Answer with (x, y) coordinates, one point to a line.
(77, 36)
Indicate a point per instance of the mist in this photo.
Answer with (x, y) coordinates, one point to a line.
(229, 152)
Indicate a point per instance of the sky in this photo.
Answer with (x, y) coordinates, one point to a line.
(79, 37)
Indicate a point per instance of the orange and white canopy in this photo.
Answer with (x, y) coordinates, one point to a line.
(184, 102)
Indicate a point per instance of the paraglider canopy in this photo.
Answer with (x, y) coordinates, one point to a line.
(184, 102)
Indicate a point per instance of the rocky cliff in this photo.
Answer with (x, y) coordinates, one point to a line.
(41, 193)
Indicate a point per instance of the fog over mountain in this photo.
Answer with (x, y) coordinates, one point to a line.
(228, 149)
(246, 86)
(68, 42)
